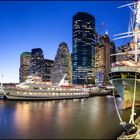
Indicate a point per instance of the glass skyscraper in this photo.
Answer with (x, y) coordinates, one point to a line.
(37, 65)
(83, 53)
(24, 66)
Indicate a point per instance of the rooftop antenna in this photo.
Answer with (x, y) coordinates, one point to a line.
(106, 32)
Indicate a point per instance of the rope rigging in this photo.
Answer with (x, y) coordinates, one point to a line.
(130, 127)
(133, 103)
(116, 107)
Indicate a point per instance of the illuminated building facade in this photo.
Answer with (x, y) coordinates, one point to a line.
(37, 65)
(83, 53)
(61, 65)
(103, 59)
(48, 67)
(124, 50)
(24, 66)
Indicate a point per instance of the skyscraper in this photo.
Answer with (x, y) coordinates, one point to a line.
(37, 65)
(24, 66)
(48, 67)
(62, 64)
(83, 53)
(103, 59)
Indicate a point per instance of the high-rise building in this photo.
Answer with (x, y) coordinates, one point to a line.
(48, 67)
(61, 65)
(24, 66)
(103, 59)
(83, 53)
(37, 65)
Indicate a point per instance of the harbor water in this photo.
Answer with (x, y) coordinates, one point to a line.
(90, 118)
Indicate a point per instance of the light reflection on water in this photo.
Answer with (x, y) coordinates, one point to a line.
(93, 118)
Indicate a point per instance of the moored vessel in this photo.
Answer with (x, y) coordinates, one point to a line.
(125, 75)
(123, 78)
(35, 89)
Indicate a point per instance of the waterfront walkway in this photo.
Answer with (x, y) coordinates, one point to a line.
(133, 136)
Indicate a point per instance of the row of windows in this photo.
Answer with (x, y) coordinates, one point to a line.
(51, 94)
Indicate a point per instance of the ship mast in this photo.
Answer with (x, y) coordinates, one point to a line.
(135, 28)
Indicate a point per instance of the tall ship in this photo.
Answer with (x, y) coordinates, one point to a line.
(125, 75)
(35, 89)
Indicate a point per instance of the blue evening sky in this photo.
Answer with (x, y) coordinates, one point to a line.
(31, 24)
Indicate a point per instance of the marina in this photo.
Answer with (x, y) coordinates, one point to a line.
(89, 91)
(102, 96)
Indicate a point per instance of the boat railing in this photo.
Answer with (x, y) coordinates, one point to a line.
(125, 68)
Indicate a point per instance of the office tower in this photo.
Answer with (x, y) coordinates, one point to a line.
(24, 66)
(37, 65)
(103, 59)
(83, 53)
(62, 64)
(48, 67)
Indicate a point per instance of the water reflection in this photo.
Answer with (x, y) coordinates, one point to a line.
(94, 118)
(22, 116)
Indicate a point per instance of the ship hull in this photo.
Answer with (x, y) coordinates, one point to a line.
(32, 95)
(124, 83)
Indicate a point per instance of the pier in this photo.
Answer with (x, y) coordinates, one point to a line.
(102, 93)
(92, 94)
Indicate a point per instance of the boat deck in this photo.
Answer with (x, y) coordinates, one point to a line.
(134, 136)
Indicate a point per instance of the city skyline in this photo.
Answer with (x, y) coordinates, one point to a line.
(26, 25)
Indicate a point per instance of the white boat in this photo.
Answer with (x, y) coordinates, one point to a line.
(125, 75)
(34, 89)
